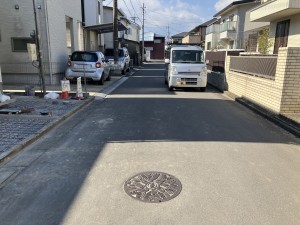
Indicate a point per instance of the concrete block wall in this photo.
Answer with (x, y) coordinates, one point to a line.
(280, 95)
(217, 80)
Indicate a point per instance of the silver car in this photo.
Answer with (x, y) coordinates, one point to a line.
(124, 59)
(88, 64)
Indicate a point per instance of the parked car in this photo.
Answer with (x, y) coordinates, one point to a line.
(124, 59)
(185, 67)
(92, 65)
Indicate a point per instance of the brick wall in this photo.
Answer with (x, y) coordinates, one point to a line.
(289, 73)
(280, 95)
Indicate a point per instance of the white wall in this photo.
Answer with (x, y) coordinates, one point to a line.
(20, 23)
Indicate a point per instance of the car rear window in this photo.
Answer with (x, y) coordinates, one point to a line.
(84, 57)
(110, 52)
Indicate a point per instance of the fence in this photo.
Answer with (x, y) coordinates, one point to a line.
(217, 59)
(261, 66)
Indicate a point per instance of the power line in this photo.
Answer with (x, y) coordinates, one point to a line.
(127, 8)
(135, 11)
(109, 3)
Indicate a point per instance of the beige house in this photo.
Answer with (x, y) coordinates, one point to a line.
(284, 18)
(232, 23)
(273, 81)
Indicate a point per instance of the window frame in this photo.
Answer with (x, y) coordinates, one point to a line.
(27, 39)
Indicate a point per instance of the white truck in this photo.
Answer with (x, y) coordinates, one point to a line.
(185, 67)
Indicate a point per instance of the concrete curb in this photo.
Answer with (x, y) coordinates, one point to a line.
(280, 120)
(29, 140)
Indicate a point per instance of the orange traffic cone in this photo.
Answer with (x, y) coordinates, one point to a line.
(64, 95)
(65, 85)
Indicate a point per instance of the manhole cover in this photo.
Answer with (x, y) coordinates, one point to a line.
(153, 187)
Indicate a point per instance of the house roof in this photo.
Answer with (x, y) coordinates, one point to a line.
(233, 4)
(207, 23)
(150, 36)
(180, 35)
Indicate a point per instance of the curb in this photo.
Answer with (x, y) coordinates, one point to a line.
(280, 120)
(29, 140)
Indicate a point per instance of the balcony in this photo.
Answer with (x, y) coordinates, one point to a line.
(228, 30)
(215, 28)
(274, 9)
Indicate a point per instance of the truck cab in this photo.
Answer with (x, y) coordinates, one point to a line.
(185, 67)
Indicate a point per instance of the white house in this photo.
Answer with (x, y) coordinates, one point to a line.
(92, 15)
(60, 29)
(228, 32)
(129, 33)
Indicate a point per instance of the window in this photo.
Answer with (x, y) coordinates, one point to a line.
(20, 44)
(282, 34)
(208, 46)
(187, 56)
(157, 41)
(84, 57)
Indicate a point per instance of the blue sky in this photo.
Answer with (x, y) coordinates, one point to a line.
(179, 15)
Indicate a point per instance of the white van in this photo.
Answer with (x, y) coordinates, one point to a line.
(185, 67)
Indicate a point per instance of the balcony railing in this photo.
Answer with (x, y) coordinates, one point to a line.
(228, 26)
(261, 66)
(215, 28)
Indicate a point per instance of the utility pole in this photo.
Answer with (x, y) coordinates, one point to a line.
(168, 33)
(115, 33)
(38, 50)
(143, 30)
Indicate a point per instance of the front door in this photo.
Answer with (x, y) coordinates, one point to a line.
(282, 34)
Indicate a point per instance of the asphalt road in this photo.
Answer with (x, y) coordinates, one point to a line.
(235, 167)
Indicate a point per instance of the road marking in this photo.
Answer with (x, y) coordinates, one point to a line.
(147, 76)
(110, 89)
(149, 69)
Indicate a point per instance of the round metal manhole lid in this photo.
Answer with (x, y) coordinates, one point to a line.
(153, 187)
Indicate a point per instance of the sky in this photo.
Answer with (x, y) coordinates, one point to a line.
(178, 15)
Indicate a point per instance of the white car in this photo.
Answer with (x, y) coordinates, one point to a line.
(124, 59)
(88, 64)
(185, 67)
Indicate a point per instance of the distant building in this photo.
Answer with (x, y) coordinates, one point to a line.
(197, 34)
(177, 39)
(154, 46)
(228, 32)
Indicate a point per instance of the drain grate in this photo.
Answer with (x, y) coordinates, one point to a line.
(153, 187)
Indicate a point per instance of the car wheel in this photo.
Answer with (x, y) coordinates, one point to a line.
(101, 81)
(171, 88)
(123, 71)
(108, 77)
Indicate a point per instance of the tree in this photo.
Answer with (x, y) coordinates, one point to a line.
(264, 43)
